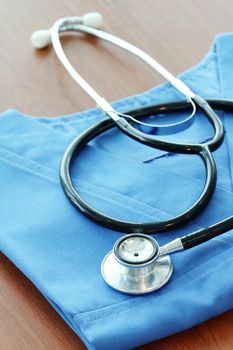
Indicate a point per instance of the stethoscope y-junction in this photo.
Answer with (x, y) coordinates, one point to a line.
(137, 264)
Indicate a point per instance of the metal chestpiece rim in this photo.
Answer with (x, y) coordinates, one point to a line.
(134, 265)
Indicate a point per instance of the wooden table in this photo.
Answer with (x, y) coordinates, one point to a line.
(177, 33)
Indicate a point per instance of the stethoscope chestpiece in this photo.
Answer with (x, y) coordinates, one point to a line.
(134, 265)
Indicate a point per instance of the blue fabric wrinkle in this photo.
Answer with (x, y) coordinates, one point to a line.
(60, 250)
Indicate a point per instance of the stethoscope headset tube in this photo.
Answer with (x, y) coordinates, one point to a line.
(137, 264)
(137, 278)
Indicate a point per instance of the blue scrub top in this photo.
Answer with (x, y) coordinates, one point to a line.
(60, 250)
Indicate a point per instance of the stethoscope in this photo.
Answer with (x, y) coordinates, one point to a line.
(137, 264)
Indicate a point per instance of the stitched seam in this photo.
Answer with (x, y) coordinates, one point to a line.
(226, 135)
(67, 318)
(55, 180)
(218, 72)
(159, 166)
(174, 282)
(144, 301)
(119, 303)
(163, 168)
(47, 177)
(229, 160)
(135, 306)
(88, 192)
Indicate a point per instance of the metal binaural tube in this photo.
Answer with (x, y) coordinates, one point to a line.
(171, 247)
(74, 24)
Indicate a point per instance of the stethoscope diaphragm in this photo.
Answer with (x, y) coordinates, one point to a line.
(134, 265)
(137, 264)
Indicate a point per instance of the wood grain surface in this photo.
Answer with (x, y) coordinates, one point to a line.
(178, 34)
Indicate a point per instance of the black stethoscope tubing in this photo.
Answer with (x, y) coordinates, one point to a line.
(118, 269)
(151, 141)
(203, 150)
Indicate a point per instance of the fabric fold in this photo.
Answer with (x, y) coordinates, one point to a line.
(60, 250)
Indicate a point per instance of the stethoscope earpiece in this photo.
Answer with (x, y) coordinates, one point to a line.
(134, 266)
(93, 20)
(42, 38)
(137, 265)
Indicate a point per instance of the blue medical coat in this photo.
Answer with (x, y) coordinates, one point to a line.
(60, 250)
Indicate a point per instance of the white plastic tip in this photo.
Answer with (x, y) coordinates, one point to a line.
(93, 19)
(41, 38)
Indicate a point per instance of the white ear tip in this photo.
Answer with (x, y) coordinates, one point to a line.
(41, 38)
(93, 19)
